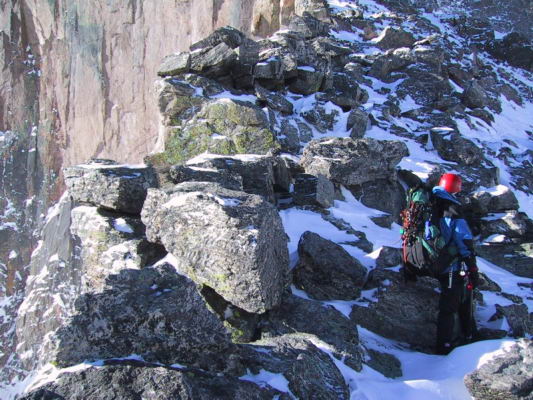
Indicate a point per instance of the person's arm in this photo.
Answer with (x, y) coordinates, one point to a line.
(465, 243)
(463, 238)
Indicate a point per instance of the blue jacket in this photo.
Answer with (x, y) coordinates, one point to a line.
(455, 229)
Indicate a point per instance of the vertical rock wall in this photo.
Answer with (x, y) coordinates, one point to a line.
(94, 64)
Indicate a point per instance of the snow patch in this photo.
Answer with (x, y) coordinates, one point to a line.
(495, 239)
(266, 378)
(228, 96)
(121, 225)
(226, 201)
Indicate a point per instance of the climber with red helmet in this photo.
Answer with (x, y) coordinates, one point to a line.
(458, 280)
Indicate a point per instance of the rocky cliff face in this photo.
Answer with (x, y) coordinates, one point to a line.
(206, 270)
(58, 53)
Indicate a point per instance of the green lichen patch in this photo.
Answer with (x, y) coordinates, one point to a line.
(199, 137)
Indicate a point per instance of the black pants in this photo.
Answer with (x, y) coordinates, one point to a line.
(454, 300)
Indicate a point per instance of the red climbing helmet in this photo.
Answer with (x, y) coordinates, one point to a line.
(451, 183)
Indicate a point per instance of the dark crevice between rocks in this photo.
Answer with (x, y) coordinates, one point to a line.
(243, 325)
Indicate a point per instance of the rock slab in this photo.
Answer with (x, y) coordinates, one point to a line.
(109, 185)
(153, 312)
(352, 161)
(326, 271)
(136, 380)
(232, 241)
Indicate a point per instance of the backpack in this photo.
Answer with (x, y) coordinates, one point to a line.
(425, 250)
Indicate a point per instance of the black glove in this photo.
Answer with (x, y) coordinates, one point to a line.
(473, 272)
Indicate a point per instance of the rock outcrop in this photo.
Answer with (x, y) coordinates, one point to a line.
(110, 186)
(153, 312)
(129, 380)
(506, 376)
(496, 200)
(260, 175)
(309, 370)
(231, 241)
(326, 271)
(352, 162)
(404, 311)
(296, 314)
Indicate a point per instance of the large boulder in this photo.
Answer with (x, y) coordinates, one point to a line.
(232, 37)
(515, 258)
(154, 312)
(227, 179)
(109, 185)
(406, 312)
(352, 162)
(392, 60)
(308, 81)
(431, 56)
(296, 314)
(506, 376)
(321, 118)
(326, 47)
(474, 96)
(223, 126)
(310, 372)
(424, 88)
(386, 195)
(270, 69)
(494, 200)
(389, 257)
(259, 175)
(518, 318)
(344, 92)
(232, 241)
(392, 38)
(357, 123)
(214, 61)
(512, 224)
(130, 380)
(326, 271)
(451, 146)
(226, 114)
